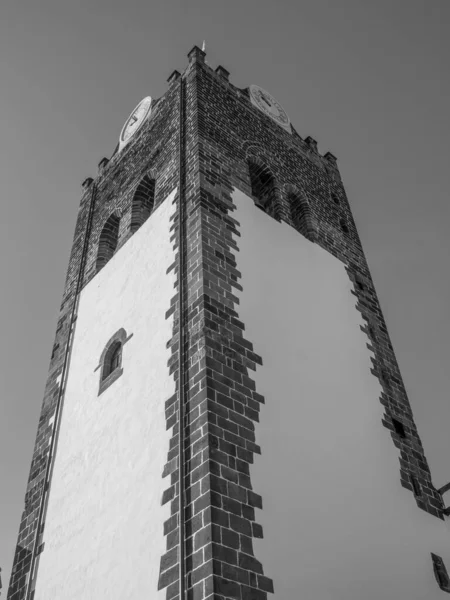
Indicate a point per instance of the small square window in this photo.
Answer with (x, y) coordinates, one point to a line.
(399, 428)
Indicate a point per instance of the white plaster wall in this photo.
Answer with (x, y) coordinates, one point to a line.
(104, 527)
(337, 523)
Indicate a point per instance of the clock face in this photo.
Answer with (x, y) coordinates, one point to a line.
(267, 103)
(134, 121)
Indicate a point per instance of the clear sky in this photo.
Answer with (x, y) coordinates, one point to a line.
(368, 80)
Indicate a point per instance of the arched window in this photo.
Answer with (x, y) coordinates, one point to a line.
(143, 203)
(110, 364)
(301, 215)
(108, 241)
(263, 186)
(113, 359)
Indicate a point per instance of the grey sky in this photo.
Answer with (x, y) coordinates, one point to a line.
(368, 80)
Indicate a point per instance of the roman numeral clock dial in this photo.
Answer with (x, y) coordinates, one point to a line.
(135, 121)
(271, 107)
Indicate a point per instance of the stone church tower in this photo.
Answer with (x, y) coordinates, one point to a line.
(224, 416)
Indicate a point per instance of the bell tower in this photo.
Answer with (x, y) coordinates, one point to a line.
(224, 417)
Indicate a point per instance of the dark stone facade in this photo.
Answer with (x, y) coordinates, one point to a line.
(223, 132)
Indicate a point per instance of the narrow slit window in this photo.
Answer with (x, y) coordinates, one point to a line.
(440, 572)
(415, 486)
(344, 226)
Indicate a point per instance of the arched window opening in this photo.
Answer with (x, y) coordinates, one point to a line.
(113, 359)
(301, 216)
(108, 241)
(143, 203)
(263, 187)
(111, 363)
